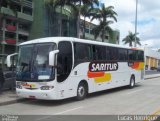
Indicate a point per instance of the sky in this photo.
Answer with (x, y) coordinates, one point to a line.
(148, 25)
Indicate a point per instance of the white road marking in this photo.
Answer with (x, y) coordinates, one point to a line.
(68, 110)
(46, 117)
(134, 91)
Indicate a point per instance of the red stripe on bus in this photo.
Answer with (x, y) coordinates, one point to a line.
(135, 65)
(95, 74)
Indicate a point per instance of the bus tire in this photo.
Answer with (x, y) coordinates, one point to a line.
(132, 82)
(81, 91)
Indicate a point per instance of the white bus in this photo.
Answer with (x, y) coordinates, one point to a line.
(56, 68)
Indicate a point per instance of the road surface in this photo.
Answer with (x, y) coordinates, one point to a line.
(144, 99)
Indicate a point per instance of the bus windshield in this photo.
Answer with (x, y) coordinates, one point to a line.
(33, 63)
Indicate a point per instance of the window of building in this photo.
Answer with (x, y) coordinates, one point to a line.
(23, 27)
(10, 22)
(10, 35)
(22, 38)
(15, 7)
(87, 30)
(27, 10)
(107, 37)
(9, 49)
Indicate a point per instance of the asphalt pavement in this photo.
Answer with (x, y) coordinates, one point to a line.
(141, 100)
(101, 106)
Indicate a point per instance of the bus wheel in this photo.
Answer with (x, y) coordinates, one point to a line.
(132, 82)
(81, 91)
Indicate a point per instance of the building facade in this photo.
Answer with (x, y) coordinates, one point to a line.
(49, 22)
(62, 22)
(16, 17)
(23, 20)
(152, 58)
(114, 39)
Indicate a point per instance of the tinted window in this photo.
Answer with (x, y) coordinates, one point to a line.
(108, 54)
(132, 55)
(113, 53)
(140, 55)
(82, 53)
(99, 53)
(122, 54)
(64, 60)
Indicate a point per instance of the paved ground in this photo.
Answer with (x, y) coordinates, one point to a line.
(151, 72)
(7, 95)
(143, 99)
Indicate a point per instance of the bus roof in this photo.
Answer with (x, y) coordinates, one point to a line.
(72, 39)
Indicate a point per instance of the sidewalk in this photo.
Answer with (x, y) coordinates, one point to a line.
(151, 76)
(9, 97)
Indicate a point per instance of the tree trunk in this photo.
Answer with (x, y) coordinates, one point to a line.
(78, 26)
(78, 21)
(103, 35)
(130, 44)
(60, 24)
(84, 27)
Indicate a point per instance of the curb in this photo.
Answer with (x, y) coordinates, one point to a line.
(12, 101)
(151, 77)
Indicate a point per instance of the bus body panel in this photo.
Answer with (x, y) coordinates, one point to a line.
(68, 88)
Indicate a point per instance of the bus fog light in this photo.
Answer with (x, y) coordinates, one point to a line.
(47, 87)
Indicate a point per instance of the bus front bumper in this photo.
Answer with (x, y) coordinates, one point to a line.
(37, 94)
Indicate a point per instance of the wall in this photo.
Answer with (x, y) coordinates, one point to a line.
(152, 58)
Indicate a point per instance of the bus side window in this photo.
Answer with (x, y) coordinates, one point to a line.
(99, 53)
(64, 60)
(140, 56)
(107, 53)
(132, 55)
(113, 53)
(122, 54)
(82, 53)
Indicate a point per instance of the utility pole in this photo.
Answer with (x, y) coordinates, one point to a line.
(135, 42)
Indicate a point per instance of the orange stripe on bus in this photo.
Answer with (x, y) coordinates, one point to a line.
(95, 74)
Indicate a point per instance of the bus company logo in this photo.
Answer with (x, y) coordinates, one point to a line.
(103, 66)
(26, 85)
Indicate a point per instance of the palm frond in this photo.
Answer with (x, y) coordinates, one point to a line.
(130, 38)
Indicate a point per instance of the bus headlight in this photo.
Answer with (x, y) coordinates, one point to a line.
(47, 87)
(18, 86)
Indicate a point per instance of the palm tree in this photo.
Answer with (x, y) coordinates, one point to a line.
(79, 3)
(130, 38)
(75, 5)
(102, 29)
(103, 14)
(86, 11)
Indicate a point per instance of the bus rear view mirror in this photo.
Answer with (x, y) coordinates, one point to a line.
(11, 60)
(52, 56)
